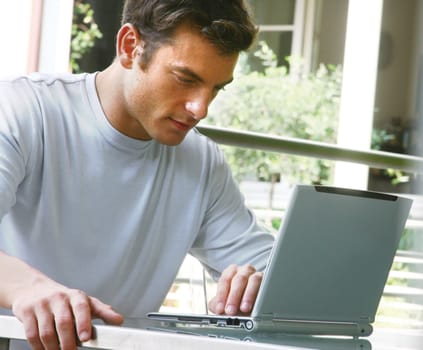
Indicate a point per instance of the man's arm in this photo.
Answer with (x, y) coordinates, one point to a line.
(51, 313)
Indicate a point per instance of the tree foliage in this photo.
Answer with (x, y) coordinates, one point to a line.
(286, 103)
(85, 32)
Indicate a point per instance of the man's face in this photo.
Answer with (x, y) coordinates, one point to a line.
(168, 97)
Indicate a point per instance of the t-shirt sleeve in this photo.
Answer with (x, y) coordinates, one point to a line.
(230, 233)
(16, 140)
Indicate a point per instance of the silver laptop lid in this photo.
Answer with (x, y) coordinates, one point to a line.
(333, 255)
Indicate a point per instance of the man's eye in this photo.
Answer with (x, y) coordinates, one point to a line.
(184, 80)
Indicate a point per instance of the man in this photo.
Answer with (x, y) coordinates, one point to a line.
(105, 185)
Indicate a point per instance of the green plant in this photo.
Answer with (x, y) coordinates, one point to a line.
(381, 138)
(85, 32)
(277, 101)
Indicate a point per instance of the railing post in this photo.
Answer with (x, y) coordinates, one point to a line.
(4, 344)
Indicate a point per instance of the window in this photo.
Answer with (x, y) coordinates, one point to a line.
(276, 20)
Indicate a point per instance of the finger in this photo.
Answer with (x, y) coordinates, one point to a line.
(47, 328)
(223, 288)
(237, 289)
(65, 326)
(251, 291)
(30, 324)
(80, 304)
(105, 312)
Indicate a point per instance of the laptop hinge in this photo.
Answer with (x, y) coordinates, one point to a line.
(276, 317)
(269, 316)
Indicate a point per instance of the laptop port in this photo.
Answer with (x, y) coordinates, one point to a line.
(233, 322)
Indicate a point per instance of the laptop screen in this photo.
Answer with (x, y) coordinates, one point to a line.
(333, 256)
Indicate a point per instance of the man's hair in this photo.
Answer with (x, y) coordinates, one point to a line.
(227, 24)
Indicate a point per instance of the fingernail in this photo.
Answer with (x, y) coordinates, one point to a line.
(84, 336)
(245, 306)
(230, 310)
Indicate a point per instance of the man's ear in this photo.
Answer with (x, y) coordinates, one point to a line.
(128, 45)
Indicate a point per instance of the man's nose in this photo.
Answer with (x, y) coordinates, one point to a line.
(198, 107)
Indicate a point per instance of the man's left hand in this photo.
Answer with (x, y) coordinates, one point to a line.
(237, 290)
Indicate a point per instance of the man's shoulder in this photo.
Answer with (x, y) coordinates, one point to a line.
(40, 90)
(38, 98)
(46, 78)
(38, 82)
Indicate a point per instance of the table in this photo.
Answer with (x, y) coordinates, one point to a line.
(153, 337)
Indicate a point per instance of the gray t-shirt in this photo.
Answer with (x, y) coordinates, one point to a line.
(108, 214)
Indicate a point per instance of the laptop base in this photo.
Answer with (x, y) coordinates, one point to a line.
(266, 326)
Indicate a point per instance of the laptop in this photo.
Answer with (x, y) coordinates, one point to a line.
(328, 266)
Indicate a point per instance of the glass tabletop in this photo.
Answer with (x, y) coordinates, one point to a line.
(154, 335)
(380, 339)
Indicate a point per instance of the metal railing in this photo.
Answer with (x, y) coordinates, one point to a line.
(376, 159)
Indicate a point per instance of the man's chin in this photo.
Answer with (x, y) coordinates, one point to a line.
(171, 143)
(173, 140)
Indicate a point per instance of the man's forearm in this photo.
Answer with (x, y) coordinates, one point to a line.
(16, 275)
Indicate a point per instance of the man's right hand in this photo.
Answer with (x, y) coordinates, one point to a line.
(54, 317)
(53, 314)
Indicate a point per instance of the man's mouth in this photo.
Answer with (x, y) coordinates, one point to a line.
(180, 125)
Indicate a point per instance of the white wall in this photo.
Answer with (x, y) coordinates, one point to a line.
(18, 37)
(55, 36)
(15, 21)
(358, 87)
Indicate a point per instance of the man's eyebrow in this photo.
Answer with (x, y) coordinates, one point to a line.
(196, 77)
